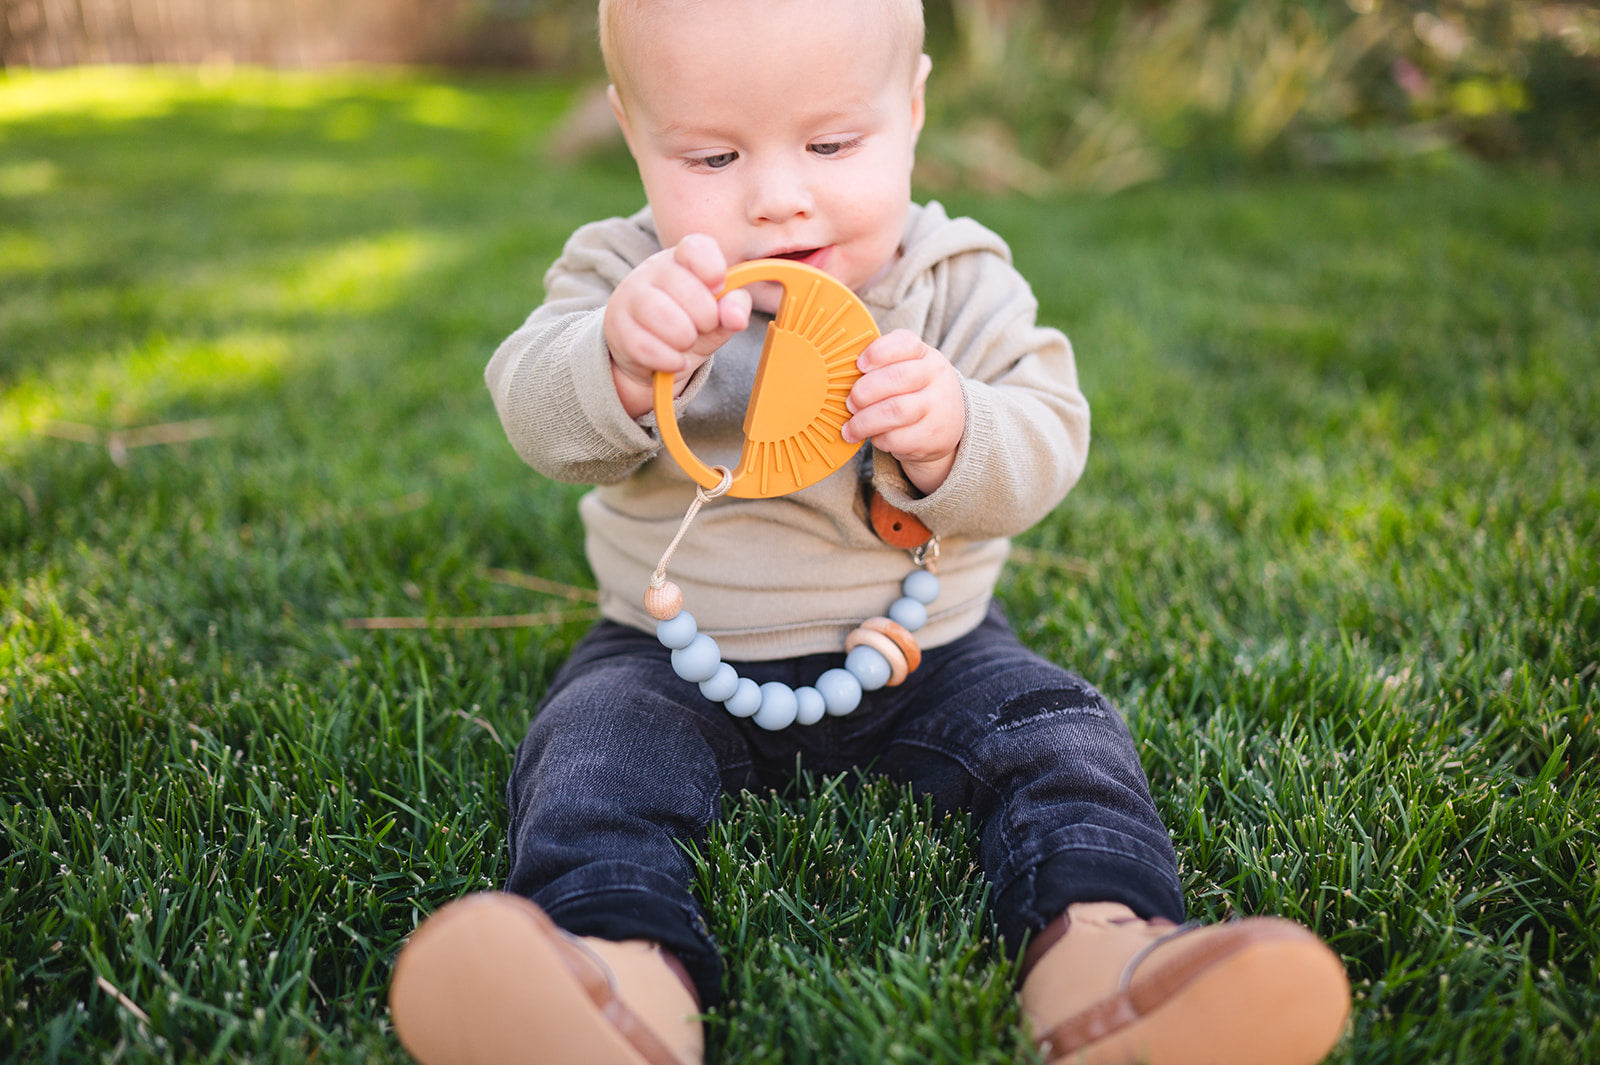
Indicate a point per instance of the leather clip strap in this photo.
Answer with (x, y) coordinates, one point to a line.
(894, 526)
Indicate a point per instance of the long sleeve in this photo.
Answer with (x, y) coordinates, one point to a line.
(791, 575)
(1026, 438)
(551, 379)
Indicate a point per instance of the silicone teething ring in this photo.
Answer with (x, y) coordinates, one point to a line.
(797, 408)
(792, 439)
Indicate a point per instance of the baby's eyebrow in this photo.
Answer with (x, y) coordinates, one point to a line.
(854, 112)
(848, 114)
(684, 130)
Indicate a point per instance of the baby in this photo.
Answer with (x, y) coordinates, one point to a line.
(787, 129)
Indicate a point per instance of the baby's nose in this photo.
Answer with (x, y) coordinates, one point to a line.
(778, 194)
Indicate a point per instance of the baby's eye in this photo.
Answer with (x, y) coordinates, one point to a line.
(713, 162)
(834, 147)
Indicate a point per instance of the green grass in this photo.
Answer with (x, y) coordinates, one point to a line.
(1336, 556)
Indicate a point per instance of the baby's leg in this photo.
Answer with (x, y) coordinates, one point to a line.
(622, 763)
(1081, 864)
(1053, 780)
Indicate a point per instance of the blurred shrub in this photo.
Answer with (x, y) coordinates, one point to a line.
(1033, 95)
(549, 34)
(1108, 94)
(1134, 92)
(1506, 78)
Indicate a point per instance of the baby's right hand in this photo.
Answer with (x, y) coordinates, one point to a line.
(665, 316)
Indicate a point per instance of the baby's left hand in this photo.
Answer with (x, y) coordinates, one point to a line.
(908, 401)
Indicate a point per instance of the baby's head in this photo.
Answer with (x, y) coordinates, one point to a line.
(778, 127)
(624, 22)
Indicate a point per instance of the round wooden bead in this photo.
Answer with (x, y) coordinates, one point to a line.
(663, 602)
(906, 642)
(841, 691)
(698, 661)
(779, 706)
(921, 586)
(810, 706)
(677, 631)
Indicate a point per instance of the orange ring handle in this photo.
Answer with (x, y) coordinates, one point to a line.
(808, 365)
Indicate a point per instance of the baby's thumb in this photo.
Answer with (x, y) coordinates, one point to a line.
(733, 311)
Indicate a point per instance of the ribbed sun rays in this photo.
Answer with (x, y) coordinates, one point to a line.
(808, 366)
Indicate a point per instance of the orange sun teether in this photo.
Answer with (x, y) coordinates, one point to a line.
(808, 365)
(791, 440)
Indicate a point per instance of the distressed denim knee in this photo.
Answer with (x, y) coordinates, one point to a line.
(1052, 778)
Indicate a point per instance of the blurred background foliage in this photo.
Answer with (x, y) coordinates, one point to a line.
(1104, 95)
(1030, 96)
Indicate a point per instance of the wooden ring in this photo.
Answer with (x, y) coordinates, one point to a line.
(901, 636)
(861, 636)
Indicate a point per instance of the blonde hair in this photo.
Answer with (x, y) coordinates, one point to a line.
(622, 19)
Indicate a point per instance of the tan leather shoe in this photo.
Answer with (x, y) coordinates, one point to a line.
(490, 980)
(1112, 989)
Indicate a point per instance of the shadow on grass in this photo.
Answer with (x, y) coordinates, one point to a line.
(296, 282)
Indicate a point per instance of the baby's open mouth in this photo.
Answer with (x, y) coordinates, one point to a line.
(798, 256)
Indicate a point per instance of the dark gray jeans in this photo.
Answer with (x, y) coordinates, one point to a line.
(624, 760)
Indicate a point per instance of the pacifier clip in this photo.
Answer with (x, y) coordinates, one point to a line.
(793, 439)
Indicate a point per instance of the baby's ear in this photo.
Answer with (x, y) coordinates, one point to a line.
(919, 93)
(621, 112)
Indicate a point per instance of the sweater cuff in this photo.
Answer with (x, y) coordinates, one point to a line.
(594, 391)
(946, 509)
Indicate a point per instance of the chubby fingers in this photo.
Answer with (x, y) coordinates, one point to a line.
(905, 385)
(702, 257)
(899, 346)
(717, 319)
(667, 309)
(683, 304)
(909, 403)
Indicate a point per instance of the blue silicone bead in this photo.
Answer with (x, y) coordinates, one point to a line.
(746, 699)
(698, 661)
(778, 706)
(811, 707)
(908, 613)
(723, 683)
(868, 666)
(921, 586)
(677, 631)
(841, 692)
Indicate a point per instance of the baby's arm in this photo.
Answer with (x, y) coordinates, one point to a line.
(1026, 424)
(909, 403)
(665, 317)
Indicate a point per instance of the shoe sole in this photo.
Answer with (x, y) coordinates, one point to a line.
(490, 980)
(1214, 1018)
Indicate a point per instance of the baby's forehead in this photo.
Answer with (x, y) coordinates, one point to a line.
(626, 23)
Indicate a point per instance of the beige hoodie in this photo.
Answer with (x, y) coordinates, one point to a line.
(777, 578)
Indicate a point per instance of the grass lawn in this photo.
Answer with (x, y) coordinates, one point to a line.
(1336, 557)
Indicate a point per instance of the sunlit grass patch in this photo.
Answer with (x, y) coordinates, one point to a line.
(1336, 557)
